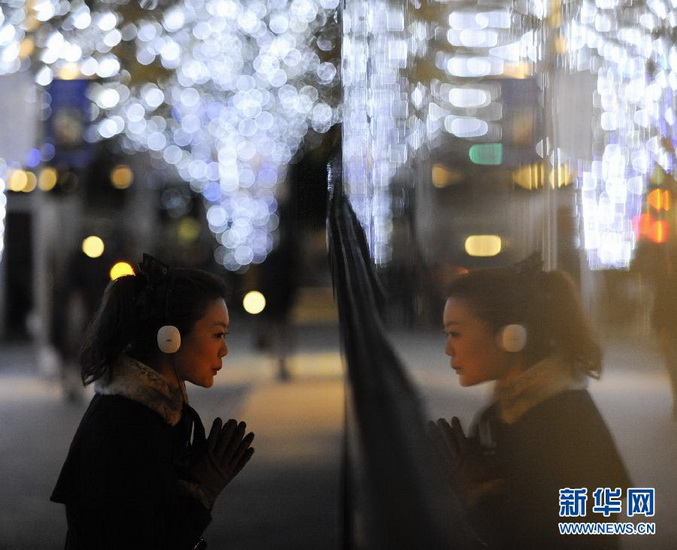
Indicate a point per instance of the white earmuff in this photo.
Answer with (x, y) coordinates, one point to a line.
(169, 339)
(512, 338)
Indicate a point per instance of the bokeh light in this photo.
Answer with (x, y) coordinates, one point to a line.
(47, 179)
(93, 246)
(120, 269)
(254, 302)
(121, 177)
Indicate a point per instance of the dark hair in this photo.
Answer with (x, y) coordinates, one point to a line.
(546, 303)
(133, 310)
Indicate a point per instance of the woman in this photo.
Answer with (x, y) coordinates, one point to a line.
(140, 472)
(525, 330)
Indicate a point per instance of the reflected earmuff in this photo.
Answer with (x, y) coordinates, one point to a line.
(512, 338)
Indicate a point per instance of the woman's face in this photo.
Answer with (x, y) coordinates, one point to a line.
(199, 357)
(472, 346)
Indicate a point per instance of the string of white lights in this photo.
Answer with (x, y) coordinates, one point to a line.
(240, 85)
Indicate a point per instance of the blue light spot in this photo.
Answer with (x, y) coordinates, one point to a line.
(212, 192)
(33, 158)
(48, 151)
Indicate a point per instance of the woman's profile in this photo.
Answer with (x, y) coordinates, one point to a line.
(141, 472)
(525, 329)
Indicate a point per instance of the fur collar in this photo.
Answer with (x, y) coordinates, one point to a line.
(544, 380)
(132, 379)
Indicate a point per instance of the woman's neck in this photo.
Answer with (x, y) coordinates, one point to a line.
(160, 363)
(516, 367)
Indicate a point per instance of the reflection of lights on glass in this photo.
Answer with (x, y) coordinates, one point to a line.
(659, 232)
(642, 224)
(93, 246)
(469, 97)
(443, 176)
(564, 176)
(660, 199)
(530, 176)
(487, 154)
(483, 246)
(466, 127)
(120, 269)
(254, 302)
(121, 177)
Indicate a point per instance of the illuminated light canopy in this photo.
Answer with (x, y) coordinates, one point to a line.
(237, 89)
(254, 302)
(483, 246)
(93, 246)
(120, 269)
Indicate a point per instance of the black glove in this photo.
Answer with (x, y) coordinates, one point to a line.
(226, 452)
(472, 472)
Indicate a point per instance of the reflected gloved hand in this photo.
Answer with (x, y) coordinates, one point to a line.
(472, 472)
(225, 453)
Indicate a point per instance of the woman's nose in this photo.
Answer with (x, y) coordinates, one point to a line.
(449, 349)
(224, 350)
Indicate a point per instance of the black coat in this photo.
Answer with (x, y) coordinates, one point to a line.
(121, 480)
(560, 443)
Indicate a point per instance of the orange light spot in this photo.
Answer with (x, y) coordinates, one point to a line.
(660, 199)
(659, 232)
(642, 224)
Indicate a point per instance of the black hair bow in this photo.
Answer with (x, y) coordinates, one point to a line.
(153, 270)
(530, 267)
(153, 274)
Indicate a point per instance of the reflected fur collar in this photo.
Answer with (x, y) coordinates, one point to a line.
(537, 384)
(134, 380)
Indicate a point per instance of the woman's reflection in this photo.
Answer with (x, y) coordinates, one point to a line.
(525, 329)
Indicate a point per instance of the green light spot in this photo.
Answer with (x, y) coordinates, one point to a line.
(488, 154)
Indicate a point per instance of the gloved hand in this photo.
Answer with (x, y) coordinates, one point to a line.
(472, 472)
(226, 452)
